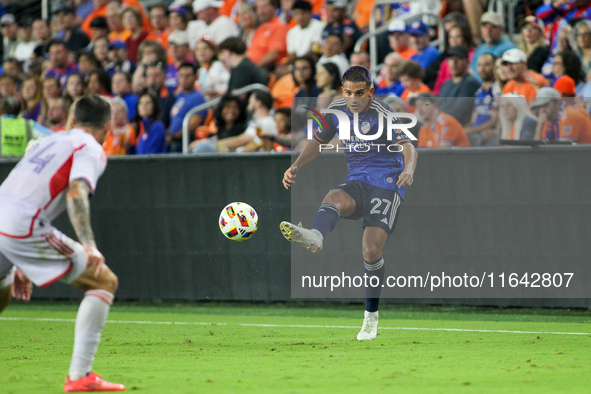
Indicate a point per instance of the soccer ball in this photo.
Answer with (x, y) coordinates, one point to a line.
(238, 221)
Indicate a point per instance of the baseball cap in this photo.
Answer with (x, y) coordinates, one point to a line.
(565, 85)
(7, 19)
(117, 44)
(459, 51)
(514, 56)
(544, 96)
(338, 3)
(200, 5)
(418, 28)
(180, 10)
(178, 37)
(396, 26)
(493, 18)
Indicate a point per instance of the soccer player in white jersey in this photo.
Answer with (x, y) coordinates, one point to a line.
(375, 175)
(60, 173)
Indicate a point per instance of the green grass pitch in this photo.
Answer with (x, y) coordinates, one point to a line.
(300, 348)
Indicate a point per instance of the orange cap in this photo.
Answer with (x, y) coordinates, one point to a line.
(565, 85)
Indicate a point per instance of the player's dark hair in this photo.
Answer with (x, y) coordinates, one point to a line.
(358, 74)
(335, 72)
(92, 111)
(411, 69)
(234, 45)
(10, 106)
(264, 97)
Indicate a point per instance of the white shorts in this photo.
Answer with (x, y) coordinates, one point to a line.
(46, 256)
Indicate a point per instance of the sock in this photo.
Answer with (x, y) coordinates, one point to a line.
(372, 294)
(90, 321)
(326, 219)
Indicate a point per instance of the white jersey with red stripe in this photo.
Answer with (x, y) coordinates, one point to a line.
(37, 186)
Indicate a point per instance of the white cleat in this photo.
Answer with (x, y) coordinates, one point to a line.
(309, 239)
(369, 330)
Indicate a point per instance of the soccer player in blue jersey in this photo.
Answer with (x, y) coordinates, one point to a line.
(376, 176)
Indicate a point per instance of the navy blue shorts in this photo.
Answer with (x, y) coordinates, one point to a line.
(378, 207)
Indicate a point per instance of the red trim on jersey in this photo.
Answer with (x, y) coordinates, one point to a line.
(59, 276)
(61, 179)
(58, 245)
(30, 229)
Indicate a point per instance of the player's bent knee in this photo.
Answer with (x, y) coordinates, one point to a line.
(110, 282)
(372, 252)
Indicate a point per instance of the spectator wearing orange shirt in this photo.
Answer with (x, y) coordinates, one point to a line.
(122, 134)
(117, 31)
(516, 62)
(567, 89)
(268, 46)
(159, 25)
(400, 39)
(440, 129)
(411, 77)
(559, 122)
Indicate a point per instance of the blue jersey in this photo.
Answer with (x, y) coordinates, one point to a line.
(487, 101)
(378, 162)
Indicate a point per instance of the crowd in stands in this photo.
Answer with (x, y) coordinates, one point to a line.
(481, 87)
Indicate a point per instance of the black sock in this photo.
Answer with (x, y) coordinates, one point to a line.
(372, 294)
(326, 219)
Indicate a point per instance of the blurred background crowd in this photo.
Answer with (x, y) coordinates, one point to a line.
(475, 72)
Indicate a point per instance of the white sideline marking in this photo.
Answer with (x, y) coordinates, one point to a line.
(294, 326)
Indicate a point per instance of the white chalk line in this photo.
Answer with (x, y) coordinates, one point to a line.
(172, 323)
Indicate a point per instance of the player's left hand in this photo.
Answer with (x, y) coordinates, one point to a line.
(404, 179)
(22, 288)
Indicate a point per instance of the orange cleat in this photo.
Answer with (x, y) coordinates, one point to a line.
(91, 382)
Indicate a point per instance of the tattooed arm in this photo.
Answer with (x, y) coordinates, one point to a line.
(79, 213)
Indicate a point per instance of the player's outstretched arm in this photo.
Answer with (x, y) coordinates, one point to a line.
(79, 212)
(410, 164)
(310, 152)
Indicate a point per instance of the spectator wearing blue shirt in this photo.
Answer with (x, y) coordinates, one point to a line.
(338, 24)
(186, 100)
(151, 133)
(389, 83)
(491, 30)
(486, 105)
(421, 40)
(178, 42)
(121, 87)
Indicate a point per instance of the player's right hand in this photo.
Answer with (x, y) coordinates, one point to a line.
(289, 175)
(94, 259)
